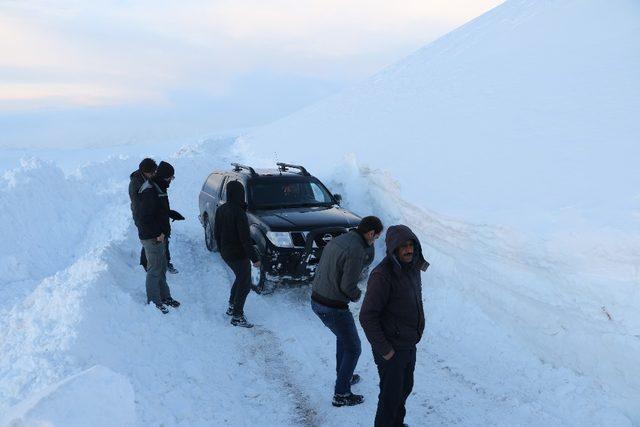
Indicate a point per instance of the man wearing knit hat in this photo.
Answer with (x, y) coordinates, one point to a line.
(152, 220)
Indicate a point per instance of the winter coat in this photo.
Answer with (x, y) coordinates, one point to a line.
(392, 314)
(338, 273)
(231, 227)
(136, 179)
(153, 210)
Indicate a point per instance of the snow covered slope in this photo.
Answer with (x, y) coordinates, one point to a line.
(525, 116)
(85, 327)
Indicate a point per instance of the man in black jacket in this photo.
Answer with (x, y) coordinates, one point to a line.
(152, 220)
(335, 285)
(392, 316)
(146, 169)
(232, 234)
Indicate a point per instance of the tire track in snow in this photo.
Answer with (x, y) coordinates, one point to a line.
(266, 348)
(259, 344)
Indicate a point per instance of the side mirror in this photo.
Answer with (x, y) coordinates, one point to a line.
(337, 198)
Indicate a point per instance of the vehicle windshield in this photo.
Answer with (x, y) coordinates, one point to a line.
(273, 194)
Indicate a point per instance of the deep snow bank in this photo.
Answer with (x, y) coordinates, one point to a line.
(96, 397)
(91, 311)
(561, 311)
(525, 116)
(482, 351)
(50, 220)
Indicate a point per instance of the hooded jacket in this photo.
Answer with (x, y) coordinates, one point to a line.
(231, 226)
(152, 211)
(392, 313)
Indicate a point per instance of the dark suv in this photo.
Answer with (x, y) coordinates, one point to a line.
(292, 216)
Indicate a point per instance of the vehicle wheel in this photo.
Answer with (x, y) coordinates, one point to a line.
(209, 240)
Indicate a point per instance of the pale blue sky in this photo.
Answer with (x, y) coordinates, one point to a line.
(76, 73)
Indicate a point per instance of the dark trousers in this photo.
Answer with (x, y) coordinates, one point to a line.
(241, 285)
(143, 255)
(348, 349)
(396, 383)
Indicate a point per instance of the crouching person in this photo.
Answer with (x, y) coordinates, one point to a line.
(392, 316)
(153, 229)
(335, 285)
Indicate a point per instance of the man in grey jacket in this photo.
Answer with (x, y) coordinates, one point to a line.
(334, 286)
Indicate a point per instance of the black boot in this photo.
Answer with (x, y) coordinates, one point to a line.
(241, 321)
(230, 310)
(162, 308)
(348, 399)
(355, 379)
(171, 302)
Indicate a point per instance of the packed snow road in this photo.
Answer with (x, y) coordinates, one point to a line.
(77, 301)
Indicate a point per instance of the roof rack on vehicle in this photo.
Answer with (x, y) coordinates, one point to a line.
(237, 167)
(283, 167)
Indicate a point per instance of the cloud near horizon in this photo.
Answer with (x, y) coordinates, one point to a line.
(70, 53)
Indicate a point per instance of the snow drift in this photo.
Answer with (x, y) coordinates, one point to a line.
(96, 397)
(525, 116)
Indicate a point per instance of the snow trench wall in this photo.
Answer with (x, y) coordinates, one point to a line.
(544, 300)
(64, 323)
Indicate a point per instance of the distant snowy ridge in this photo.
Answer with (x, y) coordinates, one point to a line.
(526, 116)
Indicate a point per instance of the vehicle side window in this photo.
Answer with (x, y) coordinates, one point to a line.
(222, 195)
(213, 183)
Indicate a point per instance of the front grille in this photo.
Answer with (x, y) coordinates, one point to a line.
(322, 239)
(298, 239)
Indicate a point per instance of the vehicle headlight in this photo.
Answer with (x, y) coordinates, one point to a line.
(280, 239)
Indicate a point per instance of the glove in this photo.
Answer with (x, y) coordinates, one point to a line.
(175, 215)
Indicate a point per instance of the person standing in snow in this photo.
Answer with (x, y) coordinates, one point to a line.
(335, 285)
(146, 169)
(137, 178)
(152, 220)
(232, 235)
(392, 317)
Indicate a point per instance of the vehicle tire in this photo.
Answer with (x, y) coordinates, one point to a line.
(209, 239)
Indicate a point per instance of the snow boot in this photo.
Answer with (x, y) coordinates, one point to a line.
(171, 269)
(230, 310)
(162, 308)
(348, 399)
(241, 321)
(355, 379)
(171, 302)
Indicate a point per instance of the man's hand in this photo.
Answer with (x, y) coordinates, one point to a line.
(389, 355)
(256, 264)
(160, 238)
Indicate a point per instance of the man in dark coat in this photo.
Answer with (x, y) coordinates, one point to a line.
(152, 220)
(392, 316)
(233, 237)
(146, 169)
(335, 285)
(137, 178)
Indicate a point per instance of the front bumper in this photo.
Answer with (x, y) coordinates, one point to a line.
(297, 264)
